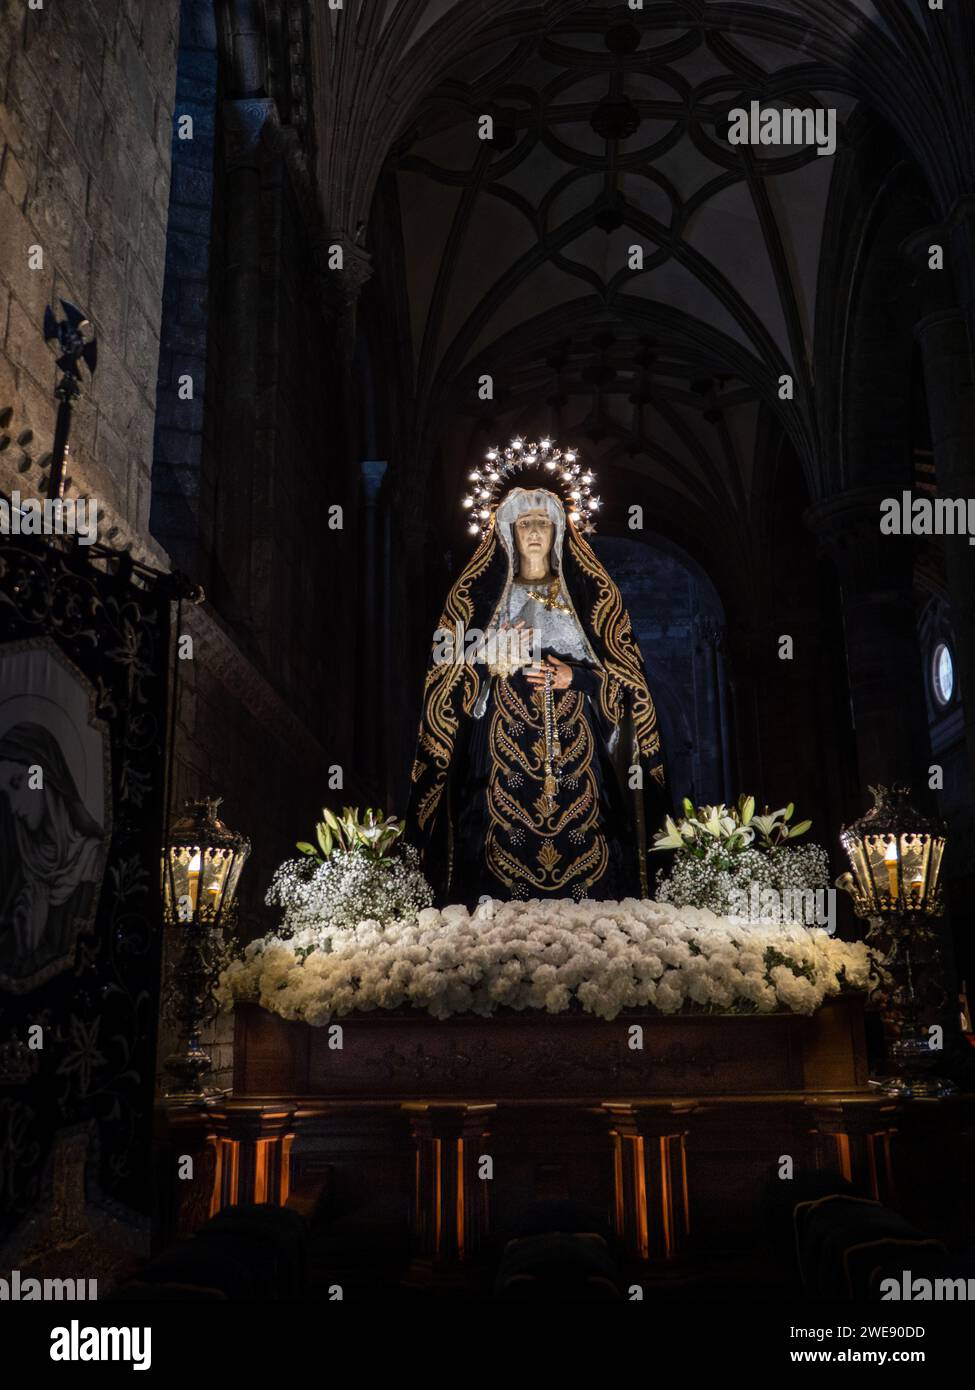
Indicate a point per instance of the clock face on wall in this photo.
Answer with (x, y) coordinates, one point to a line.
(943, 674)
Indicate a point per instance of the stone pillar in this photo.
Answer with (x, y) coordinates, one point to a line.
(343, 269)
(339, 282)
(244, 122)
(713, 639)
(949, 375)
(882, 649)
(180, 517)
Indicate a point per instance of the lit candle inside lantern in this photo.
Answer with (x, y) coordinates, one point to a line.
(193, 879)
(890, 859)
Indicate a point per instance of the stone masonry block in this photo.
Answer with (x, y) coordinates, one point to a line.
(26, 345)
(55, 63)
(160, 28)
(109, 292)
(143, 287)
(141, 350)
(134, 76)
(63, 157)
(15, 178)
(17, 235)
(30, 95)
(152, 249)
(89, 129)
(87, 25)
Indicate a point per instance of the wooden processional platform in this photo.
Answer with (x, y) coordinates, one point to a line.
(670, 1125)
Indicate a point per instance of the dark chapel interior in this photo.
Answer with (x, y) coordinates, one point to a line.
(322, 288)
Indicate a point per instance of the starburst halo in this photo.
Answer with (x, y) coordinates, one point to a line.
(574, 479)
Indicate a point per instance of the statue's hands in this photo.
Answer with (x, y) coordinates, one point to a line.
(505, 645)
(561, 674)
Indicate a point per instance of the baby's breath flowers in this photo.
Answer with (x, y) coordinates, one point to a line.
(723, 851)
(356, 870)
(715, 882)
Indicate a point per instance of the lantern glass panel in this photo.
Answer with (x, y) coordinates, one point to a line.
(883, 862)
(861, 869)
(914, 853)
(934, 865)
(895, 854)
(202, 865)
(234, 866)
(211, 882)
(178, 887)
(199, 881)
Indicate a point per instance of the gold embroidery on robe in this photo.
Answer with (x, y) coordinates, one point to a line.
(446, 679)
(520, 846)
(611, 622)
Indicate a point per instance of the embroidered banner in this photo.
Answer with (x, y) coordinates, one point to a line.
(83, 678)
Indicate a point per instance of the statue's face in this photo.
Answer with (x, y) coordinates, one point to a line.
(534, 534)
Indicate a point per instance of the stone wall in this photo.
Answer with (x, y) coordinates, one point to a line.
(86, 102)
(245, 470)
(136, 227)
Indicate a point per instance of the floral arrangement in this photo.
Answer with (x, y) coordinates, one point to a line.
(600, 957)
(723, 852)
(355, 870)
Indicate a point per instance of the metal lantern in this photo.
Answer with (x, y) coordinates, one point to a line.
(201, 869)
(895, 853)
(201, 866)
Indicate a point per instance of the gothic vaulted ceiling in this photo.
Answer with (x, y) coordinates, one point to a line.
(610, 132)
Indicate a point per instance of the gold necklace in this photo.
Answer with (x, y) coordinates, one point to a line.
(549, 600)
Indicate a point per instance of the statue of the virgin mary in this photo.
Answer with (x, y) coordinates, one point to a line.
(538, 770)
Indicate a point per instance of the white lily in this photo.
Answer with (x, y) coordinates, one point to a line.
(670, 837)
(712, 823)
(766, 824)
